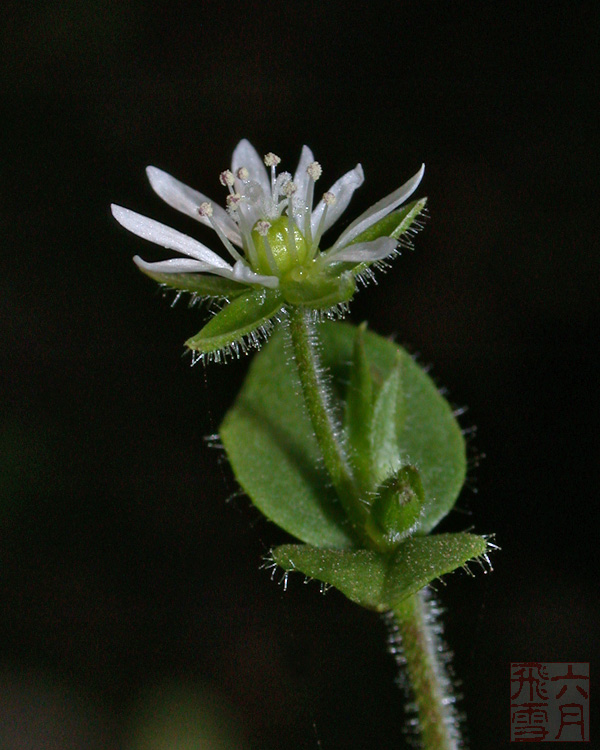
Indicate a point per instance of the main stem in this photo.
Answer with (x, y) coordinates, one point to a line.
(415, 641)
(413, 634)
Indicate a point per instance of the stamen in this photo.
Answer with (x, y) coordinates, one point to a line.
(243, 174)
(233, 200)
(245, 229)
(262, 227)
(226, 178)
(314, 170)
(206, 210)
(289, 188)
(328, 199)
(271, 159)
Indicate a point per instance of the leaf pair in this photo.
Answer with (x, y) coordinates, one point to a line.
(404, 443)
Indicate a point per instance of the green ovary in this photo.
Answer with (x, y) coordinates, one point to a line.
(285, 253)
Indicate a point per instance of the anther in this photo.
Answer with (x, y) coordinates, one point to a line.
(233, 200)
(314, 170)
(262, 227)
(243, 173)
(289, 188)
(226, 178)
(205, 209)
(329, 198)
(271, 159)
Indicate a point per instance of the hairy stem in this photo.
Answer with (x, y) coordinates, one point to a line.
(323, 419)
(415, 641)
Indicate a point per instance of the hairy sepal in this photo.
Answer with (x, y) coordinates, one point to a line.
(378, 581)
(203, 285)
(395, 224)
(233, 326)
(318, 291)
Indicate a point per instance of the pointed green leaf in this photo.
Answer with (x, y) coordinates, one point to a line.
(359, 407)
(275, 457)
(430, 439)
(273, 452)
(359, 574)
(201, 284)
(386, 424)
(421, 559)
(395, 224)
(398, 504)
(242, 316)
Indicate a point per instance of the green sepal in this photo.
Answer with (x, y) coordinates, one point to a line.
(398, 505)
(393, 225)
(317, 290)
(378, 581)
(236, 320)
(201, 284)
(359, 408)
(387, 422)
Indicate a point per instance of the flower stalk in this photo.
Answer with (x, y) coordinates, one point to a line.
(414, 638)
(325, 425)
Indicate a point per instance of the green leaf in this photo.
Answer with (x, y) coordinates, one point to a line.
(395, 224)
(229, 327)
(430, 438)
(359, 574)
(386, 425)
(359, 408)
(421, 559)
(201, 284)
(273, 452)
(377, 581)
(398, 504)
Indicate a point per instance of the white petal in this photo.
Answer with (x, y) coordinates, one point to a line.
(174, 265)
(245, 155)
(301, 177)
(363, 252)
(160, 234)
(188, 201)
(343, 190)
(380, 209)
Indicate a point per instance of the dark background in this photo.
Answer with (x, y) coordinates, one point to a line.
(123, 568)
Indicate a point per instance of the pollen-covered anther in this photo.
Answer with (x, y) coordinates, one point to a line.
(243, 174)
(262, 227)
(233, 199)
(271, 159)
(289, 188)
(205, 209)
(226, 178)
(328, 198)
(314, 170)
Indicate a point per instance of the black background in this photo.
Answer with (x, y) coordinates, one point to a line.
(122, 566)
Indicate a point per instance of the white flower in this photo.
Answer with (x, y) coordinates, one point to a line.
(269, 227)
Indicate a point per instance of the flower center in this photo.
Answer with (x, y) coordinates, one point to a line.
(280, 246)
